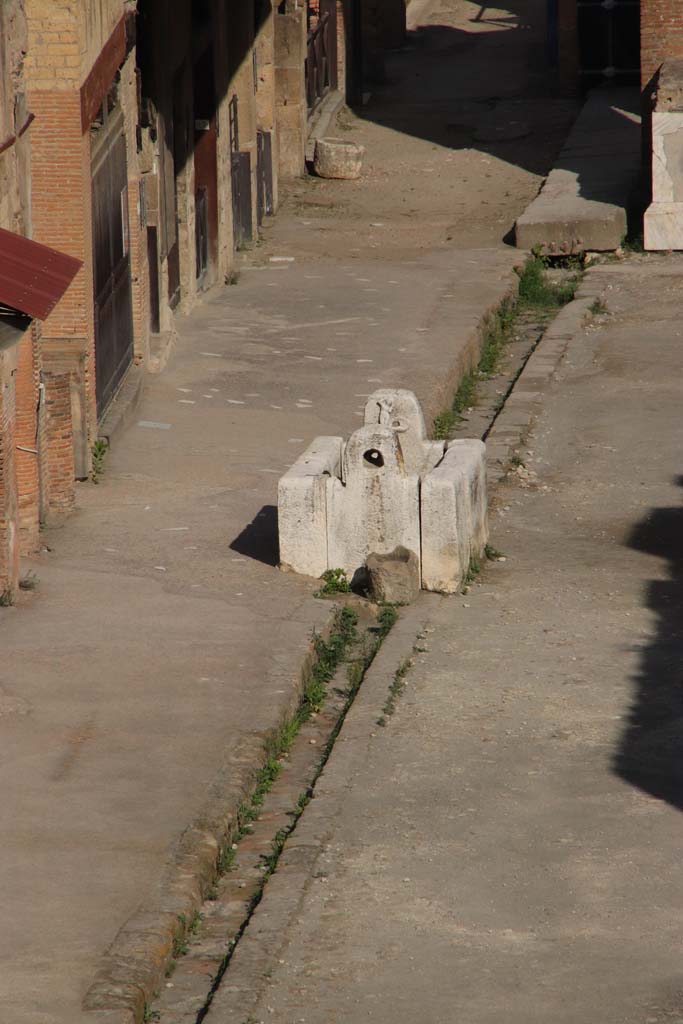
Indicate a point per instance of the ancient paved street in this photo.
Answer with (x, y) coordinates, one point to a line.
(150, 686)
(508, 847)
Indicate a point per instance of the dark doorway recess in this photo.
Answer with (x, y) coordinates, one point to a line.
(264, 175)
(609, 42)
(240, 171)
(321, 55)
(111, 251)
(205, 168)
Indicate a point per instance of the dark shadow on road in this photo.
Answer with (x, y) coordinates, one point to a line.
(491, 89)
(259, 540)
(650, 754)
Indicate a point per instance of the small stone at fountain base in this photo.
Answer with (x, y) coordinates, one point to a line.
(394, 578)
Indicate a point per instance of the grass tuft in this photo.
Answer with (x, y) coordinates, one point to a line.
(536, 294)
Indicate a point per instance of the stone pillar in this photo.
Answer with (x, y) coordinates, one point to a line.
(64, 377)
(28, 444)
(663, 226)
(9, 525)
(291, 108)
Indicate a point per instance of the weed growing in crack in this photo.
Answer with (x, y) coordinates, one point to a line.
(493, 554)
(473, 570)
(335, 581)
(29, 581)
(396, 688)
(386, 620)
(537, 294)
(6, 597)
(598, 307)
(270, 859)
(99, 452)
(180, 945)
(329, 654)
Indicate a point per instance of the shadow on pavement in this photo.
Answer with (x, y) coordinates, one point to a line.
(492, 89)
(650, 754)
(470, 89)
(259, 540)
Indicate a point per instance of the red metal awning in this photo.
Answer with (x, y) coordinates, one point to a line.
(33, 277)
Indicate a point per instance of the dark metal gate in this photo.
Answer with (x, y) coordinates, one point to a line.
(264, 174)
(240, 169)
(321, 56)
(201, 232)
(111, 251)
(609, 41)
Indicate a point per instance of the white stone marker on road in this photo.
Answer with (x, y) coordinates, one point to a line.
(454, 515)
(389, 487)
(302, 507)
(376, 506)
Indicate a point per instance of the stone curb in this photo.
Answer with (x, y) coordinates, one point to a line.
(238, 993)
(133, 967)
(322, 119)
(524, 402)
(469, 352)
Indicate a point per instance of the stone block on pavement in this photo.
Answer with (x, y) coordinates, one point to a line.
(663, 221)
(338, 158)
(302, 509)
(394, 578)
(392, 489)
(454, 515)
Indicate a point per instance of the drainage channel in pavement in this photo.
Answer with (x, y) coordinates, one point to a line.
(204, 945)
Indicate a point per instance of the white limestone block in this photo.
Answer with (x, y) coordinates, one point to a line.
(302, 508)
(454, 514)
(376, 506)
(399, 409)
(663, 227)
(667, 157)
(663, 221)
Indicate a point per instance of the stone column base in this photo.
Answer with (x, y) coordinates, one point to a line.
(663, 227)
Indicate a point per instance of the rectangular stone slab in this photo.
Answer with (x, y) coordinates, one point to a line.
(454, 516)
(302, 507)
(584, 201)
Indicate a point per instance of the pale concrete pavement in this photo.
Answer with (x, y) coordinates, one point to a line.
(509, 846)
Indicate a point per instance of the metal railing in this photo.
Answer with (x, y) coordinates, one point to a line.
(321, 61)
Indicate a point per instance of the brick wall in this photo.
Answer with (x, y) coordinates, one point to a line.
(661, 35)
(75, 51)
